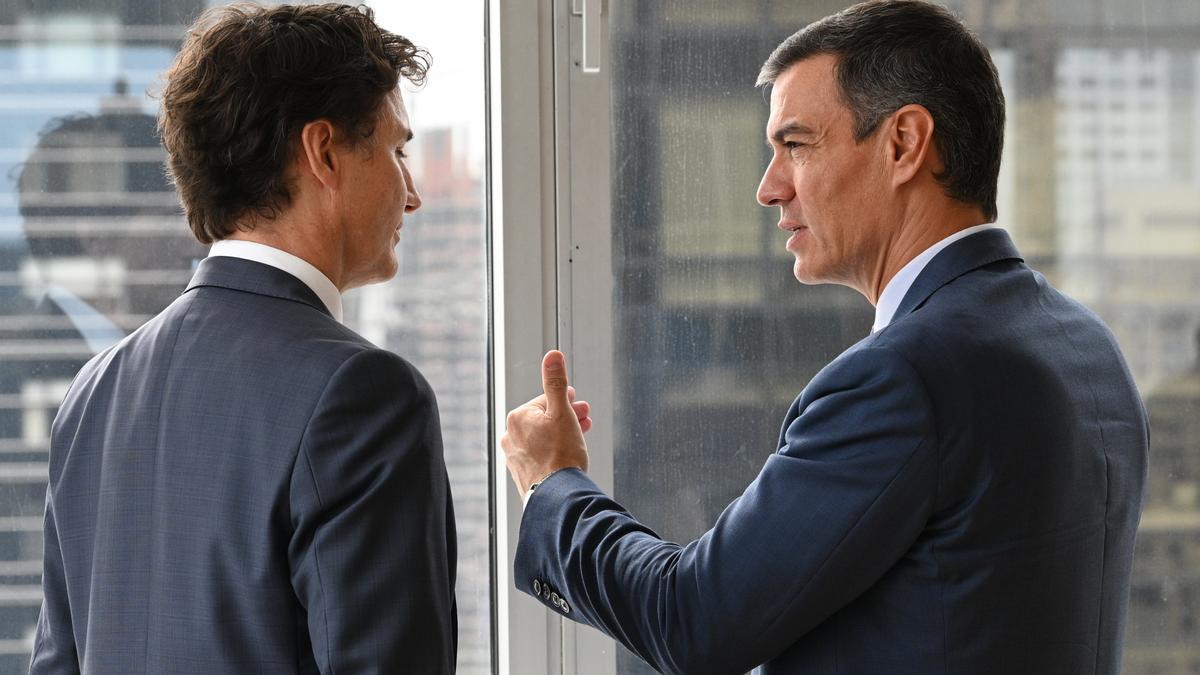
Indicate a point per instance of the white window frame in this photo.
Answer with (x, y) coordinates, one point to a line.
(549, 219)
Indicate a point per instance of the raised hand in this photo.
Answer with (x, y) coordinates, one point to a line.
(546, 434)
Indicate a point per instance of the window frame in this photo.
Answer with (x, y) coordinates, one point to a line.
(549, 203)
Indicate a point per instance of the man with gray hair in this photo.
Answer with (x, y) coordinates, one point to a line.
(959, 491)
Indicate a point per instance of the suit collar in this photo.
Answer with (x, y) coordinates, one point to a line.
(249, 276)
(964, 255)
(286, 261)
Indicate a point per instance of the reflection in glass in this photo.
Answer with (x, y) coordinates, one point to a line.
(1100, 188)
(92, 244)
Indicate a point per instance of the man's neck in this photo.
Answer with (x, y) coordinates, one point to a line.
(917, 231)
(302, 240)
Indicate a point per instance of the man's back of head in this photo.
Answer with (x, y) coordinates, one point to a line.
(246, 82)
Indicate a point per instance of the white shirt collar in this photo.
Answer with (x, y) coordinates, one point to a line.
(293, 265)
(897, 288)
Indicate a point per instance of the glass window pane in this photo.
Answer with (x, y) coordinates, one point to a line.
(434, 312)
(92, 244)
(1100, 187)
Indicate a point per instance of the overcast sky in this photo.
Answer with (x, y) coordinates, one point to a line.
(452, 32)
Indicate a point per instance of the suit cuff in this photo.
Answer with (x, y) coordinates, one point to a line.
(536, 567)
(535, 487)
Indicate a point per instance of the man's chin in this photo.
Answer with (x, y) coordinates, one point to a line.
(806, 276)
(385, 271)
(388, 271)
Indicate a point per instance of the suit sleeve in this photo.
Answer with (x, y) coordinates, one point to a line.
(847, 493)
(372, 555)
(54, 640)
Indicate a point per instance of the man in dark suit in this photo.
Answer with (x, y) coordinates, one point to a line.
(244, 484)
(956, 493)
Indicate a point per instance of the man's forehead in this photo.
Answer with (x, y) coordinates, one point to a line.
(810, 79)
(805, 96)
(394, 111)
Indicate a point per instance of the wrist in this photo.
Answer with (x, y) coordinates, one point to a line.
(534, 485)
(543, 476)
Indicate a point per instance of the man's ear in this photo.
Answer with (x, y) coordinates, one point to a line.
(317, 151)
(910, 143)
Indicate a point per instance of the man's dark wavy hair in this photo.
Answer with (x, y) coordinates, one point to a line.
(247, 79)
(892, 53)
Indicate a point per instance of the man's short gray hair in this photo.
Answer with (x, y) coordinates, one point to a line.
(892, 53)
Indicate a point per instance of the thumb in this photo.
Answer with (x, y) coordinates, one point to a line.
(554, 383)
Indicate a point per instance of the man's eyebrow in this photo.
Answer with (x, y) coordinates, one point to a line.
(792, 128)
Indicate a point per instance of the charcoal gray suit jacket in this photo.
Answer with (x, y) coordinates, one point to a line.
(957, 493)
(244, 485)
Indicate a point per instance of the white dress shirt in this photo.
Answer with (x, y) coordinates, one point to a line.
(897, 288)
(293, 265)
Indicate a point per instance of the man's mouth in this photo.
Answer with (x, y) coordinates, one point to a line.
(797, 232)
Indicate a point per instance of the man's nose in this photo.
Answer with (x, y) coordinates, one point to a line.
(414, 197)
(774, 189)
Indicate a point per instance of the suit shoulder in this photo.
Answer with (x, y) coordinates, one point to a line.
(890, 367)
(257, 325)
(990, 310)
(162, 324)
(365, 361)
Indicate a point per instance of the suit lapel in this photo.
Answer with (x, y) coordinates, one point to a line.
(254, 277)
(955, 260)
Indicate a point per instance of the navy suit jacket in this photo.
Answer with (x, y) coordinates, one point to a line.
(957, 493)
(244, 485)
